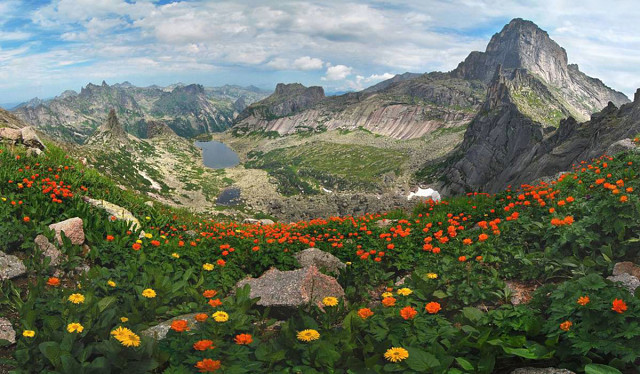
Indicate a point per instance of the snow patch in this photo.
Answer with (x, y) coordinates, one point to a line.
(425, 193)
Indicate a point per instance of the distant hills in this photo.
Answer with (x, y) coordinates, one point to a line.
(188, 110)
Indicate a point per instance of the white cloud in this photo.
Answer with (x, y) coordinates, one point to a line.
(307, 63)
(337, 72)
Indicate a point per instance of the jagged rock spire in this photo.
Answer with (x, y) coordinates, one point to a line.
(109, 131)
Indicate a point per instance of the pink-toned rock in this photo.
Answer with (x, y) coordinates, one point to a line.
(291, 289)
(6, 331)
(72, 228)
(11, 135)
(49, 250)
(627, 267)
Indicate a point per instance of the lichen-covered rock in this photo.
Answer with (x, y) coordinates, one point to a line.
(6, 331)
(49, 250)
(159, 331)
(72, 228)
(10, 135)
(114, 211)
(30, 138)
(626, 267)
(319, 259)
(292, 289)
(530, 370)
(624, 145)
(385, 222)
(266, 221)
(10, 266)
(628, 281)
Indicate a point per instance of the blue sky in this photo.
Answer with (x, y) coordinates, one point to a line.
(49, 46)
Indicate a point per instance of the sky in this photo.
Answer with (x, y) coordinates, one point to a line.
(48, 46)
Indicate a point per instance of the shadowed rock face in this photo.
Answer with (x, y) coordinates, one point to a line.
(110, 131)
(523, 45)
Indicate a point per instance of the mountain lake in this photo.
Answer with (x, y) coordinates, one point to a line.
(216, 155)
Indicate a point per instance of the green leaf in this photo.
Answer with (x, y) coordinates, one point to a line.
(466, 365)
(600, 369)
(472, 314)
(439, 294)
(105, 302)
(420, 360)
(51, 351)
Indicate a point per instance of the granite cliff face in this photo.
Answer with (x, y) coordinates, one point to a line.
(523, 45)
(110, 132)
(412, 105)
(408, 108)
(188, 109)
(9, 120)
(502, 146)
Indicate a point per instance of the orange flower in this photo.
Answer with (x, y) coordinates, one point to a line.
(243, 339)
(215, 303)
(619, 306)
(180, 325)
(26, 219)
(110, 238)
(408, 313)
(365, 313)
(221, 262)
(389, 301)
(479, 258)
(467, 241)
(201, 317)
(583, 300)
(208, 365)
(462, 258)
(623, 199)
(483, 237)
(155, 243)
(209, 293)
(53, 281)
(566, 325)
(433, 307)
(203, 345)
(136, 246)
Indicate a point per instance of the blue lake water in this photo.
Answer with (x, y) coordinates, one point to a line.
(216, 155)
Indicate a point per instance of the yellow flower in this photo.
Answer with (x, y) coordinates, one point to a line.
(139, 241)
(111, 283)
(4, 199)
(220, 316)
(330, 301)
(149, 293)
(126, 337)
(163, 236)
(432, 275)
(28, 333)
(75, 327)
(348, 263)
(148, 235)
(405, 291)
(395, 354)
(124, 319)
(387, 294)
(207, 266)
(175, 255)
(308, 335)
(147, 218)
(76, 298)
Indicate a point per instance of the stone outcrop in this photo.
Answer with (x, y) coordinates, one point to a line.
(320, 259)
(6, 331)
(10, 266)
(110, 132)
(49, 250)
(114, 210)
(292, 289)
(26, 136)
(628, 281)
(8, 120)
(159, 331)
(531, 370)
(72, 228)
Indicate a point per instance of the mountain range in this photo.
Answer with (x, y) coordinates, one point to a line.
(189, 110)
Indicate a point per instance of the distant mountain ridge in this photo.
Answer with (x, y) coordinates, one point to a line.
(188, 110)
(411, 105)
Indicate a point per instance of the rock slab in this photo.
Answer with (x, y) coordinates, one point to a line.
(160, 330)
(10, 266)
(319, 259)
(49, 250)
(292, 289)
(628, 281)
(6, 331)
(530, 370)
(115, 211)
(72, 228)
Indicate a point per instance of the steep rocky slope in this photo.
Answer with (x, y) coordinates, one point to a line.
(188, 109)
(503, 146)
(9, 120)
(412, 105)
(523, 45)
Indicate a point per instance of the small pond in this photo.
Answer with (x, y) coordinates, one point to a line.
(216, 155)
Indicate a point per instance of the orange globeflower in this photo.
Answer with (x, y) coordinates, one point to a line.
(208, 365)
(467, 241)
(180, 325)
(583, 300)
(209, 293)
(483, 237)
(201, 317)
(243, 339)
(203, 345)
(53, 281)
(433, 307)
(619, 306)
(365, 313)
(462, 258)
(136, 246)
(389, 301)
(26, 219)
(221, 262)
(215, 303)
(408, 313)
(110, 238)
(566, 325)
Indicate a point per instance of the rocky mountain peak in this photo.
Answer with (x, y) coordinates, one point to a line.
(191, 89)
(109, 131)
(283, 89)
